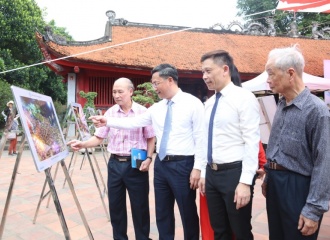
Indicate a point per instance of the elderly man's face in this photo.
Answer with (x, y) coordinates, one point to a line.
(278, 80)
(122, 93)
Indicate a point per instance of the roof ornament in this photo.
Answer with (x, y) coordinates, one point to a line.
(323, 33)
(255, 28)
(50, 36)
(293, 29)
(218, 26)
(235, 26)
(108, 27)
(271, 31)
(111, 22)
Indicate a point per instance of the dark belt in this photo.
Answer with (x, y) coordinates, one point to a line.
(275, 166)
(121, 158)
(176, 157)
(224, 166)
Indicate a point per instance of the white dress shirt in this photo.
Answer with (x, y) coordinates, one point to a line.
(186, 135)
(236, 132)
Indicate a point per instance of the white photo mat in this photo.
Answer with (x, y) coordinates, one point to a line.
(41, 126)
(81, 122)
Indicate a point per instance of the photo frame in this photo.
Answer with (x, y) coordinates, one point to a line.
(41, 126)
(91, 111)
(80, 120)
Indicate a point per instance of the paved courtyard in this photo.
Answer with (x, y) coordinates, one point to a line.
(28, 186)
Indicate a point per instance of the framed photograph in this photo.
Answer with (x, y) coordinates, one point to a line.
(41, 127)
(91, 111)
(81, 122)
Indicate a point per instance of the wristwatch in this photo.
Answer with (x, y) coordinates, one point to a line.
(149, 157)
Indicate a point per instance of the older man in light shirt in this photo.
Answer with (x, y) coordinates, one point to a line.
(177, 170)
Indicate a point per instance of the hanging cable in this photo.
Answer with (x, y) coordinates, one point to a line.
(272, 10)
(98, 49)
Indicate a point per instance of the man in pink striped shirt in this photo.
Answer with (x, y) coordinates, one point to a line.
(121, 175)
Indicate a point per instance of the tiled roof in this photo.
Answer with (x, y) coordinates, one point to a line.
(184, 49)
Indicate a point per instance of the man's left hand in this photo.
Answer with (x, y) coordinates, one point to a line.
(194, 178)
(261, 173)
(242, 195)
(145, 165)
(307, 226)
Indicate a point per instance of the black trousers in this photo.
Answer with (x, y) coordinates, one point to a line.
(122, 177)
(224, 217)
(171, 182)
(286, 196)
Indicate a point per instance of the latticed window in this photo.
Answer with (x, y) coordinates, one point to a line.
(103, 86)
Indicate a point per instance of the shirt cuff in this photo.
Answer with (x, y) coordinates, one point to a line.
(311, 212)
(246, 178)
(197, 165)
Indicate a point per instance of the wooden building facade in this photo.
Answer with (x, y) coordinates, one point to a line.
(132, 49)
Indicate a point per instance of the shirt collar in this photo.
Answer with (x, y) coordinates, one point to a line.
(176, 97)
(133, 108)
(300, 100)
(226, 90)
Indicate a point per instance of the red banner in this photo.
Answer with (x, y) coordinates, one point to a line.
(321, 6)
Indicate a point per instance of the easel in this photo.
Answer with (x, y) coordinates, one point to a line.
(53, 192)
(70, 115)
(82, 135)
(91, 128)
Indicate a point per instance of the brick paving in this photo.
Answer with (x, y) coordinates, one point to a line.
(28, 186)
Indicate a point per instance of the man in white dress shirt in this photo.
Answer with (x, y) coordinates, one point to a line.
(232, 149)
(176, 176)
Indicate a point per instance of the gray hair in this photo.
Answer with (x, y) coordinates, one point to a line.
(285, 58)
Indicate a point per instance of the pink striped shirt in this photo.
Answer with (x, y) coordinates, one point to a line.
(120, 141)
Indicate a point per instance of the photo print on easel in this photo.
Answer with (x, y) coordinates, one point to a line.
(80, 119)
(41, 127)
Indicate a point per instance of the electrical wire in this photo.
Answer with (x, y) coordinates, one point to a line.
(98, 49)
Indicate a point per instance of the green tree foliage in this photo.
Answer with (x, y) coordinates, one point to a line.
(19, 19)
(89, 98)
(6, 95)
(282, 18)
(145, 94)
(61, 31)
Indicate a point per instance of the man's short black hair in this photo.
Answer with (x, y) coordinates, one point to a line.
(166, 70)
(220, 57)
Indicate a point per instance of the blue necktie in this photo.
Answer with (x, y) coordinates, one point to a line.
(166, 131)
(210, 135)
